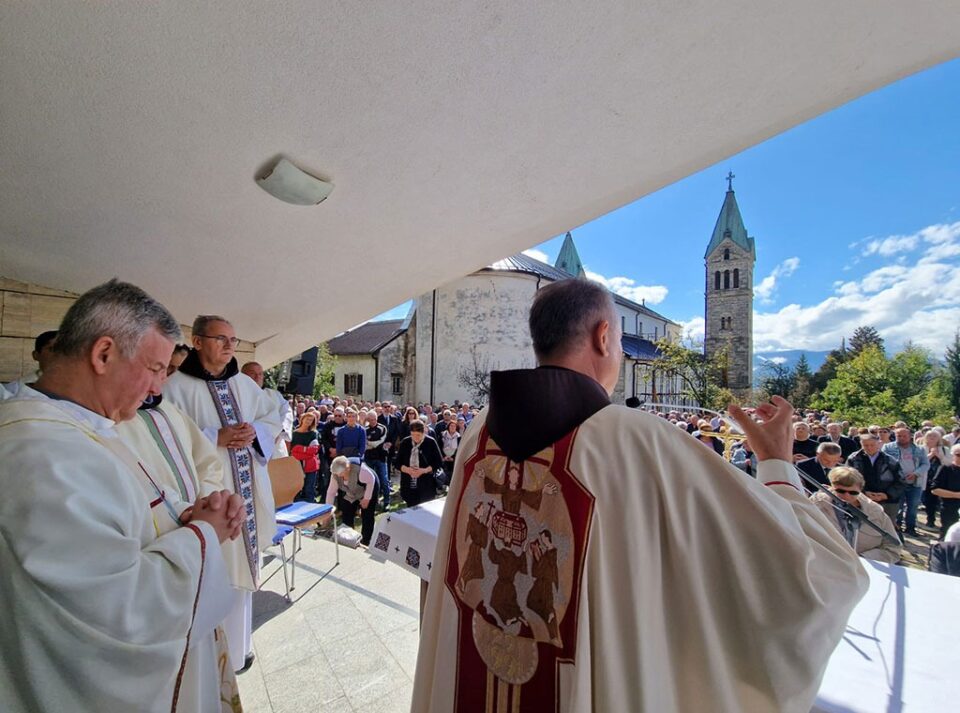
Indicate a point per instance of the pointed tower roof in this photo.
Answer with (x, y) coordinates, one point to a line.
(730, 224)
(569, 259)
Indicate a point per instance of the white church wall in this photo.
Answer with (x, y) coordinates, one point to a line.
(486, 310)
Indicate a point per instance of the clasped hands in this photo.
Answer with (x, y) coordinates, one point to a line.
(222, 510)
(239, 436)
(415, 472)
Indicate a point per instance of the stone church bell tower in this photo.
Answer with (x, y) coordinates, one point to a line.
(729, 261)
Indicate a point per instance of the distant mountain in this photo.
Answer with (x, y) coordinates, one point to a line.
(789, 359)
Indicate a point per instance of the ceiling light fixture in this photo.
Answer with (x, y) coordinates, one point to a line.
(292, 185)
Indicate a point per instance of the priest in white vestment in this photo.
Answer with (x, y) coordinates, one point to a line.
(187, 467)
(103, 584)
(243, 422)
(595, 558)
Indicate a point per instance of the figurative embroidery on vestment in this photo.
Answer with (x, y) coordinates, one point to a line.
(241, 465)
(514, 570)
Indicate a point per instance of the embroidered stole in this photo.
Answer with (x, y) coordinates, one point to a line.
(163, 434)
(241, 465)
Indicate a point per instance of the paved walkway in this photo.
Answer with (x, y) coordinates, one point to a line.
(347, 644)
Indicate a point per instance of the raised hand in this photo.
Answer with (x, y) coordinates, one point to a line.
(772, 439)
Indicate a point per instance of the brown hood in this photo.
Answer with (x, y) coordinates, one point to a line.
(531, 409)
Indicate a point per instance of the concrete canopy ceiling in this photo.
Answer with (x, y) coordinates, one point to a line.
(455, 133)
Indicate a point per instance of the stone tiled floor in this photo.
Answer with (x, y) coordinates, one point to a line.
(347, 643)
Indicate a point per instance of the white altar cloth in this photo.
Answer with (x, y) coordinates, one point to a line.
(408, 537)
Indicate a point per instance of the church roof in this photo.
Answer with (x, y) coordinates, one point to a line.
(730, 225)
(530, 265)
(368, 338)
(639, 348)
(569, 259)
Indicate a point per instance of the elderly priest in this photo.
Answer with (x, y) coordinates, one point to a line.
(595, 558)
(105, 581)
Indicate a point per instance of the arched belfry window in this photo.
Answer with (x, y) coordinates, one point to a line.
(726, 279)
(716, 280)
(726, 253)
(736, 277)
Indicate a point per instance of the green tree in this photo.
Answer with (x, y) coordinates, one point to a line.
(864, 337)
(860, 391)
(911, 372)
(701, 376)
(870, 388)
(778, 379)
(828, 370)
(932, 403)
(952, 376)
(324, 376)
(802, 390)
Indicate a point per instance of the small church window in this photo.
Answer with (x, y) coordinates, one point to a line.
(726, 279)
(736, 277)
(726, 253)
(396, 384)
(716, 280)
(623, 324)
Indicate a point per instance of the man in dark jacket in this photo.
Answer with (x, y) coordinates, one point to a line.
(376, 455)
(328, 451)
(818, 467)
(418, 458)
(882, 473)
(834, 435)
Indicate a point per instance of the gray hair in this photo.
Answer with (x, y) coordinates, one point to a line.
(564, 312)
(829, 448)
(202, 320)
(115, 309)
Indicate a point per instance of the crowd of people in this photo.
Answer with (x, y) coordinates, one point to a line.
(888, 472)
(410, 447)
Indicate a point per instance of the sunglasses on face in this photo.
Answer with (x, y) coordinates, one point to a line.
(844, 491)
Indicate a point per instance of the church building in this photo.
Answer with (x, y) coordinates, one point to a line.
(728, 295)
(455, 335)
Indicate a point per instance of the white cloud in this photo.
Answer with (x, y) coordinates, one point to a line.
(693, 329)
(626, 287)
(768, 284)
(536, 254)
(778, 360)
(917, 301)
(892, 245)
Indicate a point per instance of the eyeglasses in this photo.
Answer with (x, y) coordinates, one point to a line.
(844, 491)
(224, 341)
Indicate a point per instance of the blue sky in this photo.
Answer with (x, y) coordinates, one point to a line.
(856, 215)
